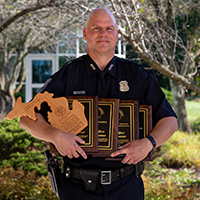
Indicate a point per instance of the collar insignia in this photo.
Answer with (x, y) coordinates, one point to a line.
(92, 66)
(123, 86)
(111, 66)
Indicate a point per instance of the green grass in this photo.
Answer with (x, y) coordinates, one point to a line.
(193, 109)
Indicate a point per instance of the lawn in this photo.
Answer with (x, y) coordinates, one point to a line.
(193, 109)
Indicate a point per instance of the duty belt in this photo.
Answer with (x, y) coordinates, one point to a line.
(94, 177)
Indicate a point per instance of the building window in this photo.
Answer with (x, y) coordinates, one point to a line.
(41, 70)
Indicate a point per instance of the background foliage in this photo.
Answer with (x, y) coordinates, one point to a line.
(20, 150)
(174, 173)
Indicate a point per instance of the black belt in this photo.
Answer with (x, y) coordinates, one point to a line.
(105, 177)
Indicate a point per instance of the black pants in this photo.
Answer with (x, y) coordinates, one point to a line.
(128, 188)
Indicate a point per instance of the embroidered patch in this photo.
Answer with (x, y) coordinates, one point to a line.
(123, 86)
(45, 85)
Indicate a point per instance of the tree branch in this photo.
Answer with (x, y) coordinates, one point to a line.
(162, 68)
(24, 12)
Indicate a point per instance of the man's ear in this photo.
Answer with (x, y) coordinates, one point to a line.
(85, 33)
(117, 34)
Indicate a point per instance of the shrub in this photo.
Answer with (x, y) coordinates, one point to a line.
(19, 148)
(171, 184)
(32, 160)
(18, 184)
(174, 172)
(182, 150)
(195, 125)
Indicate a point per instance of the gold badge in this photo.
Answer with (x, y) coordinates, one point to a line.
(123, 86)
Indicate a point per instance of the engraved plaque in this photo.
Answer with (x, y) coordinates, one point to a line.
(107, 126)
(145, 124)
(128, 129)
(90, 133)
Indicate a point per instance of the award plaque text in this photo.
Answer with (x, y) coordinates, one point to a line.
(128, 128)
(108, 110)
(90, 133)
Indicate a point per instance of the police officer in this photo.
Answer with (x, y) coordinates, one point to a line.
(124, 80)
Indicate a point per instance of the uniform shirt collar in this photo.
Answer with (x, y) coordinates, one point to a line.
(92, 68)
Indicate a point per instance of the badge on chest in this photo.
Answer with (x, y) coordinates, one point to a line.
(123, 86)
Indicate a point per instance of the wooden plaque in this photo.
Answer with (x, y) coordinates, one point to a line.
(90, 133)
(145, 125)
(128, 129)
(108, 110)
(61, 117)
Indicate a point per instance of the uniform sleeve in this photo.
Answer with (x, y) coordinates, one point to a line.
(153, 95)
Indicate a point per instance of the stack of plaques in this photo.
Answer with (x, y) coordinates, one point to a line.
(104, 124)
(112, 123)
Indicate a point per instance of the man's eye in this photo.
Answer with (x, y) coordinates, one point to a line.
(110, 29)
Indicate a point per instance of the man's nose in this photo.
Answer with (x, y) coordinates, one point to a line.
(103, 31)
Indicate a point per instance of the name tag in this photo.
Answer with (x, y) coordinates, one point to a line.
(79, 92)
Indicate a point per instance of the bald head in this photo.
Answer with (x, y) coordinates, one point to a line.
(99, 11)
(101, 35)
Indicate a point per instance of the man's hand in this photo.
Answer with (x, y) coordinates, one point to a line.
(67, 145)
(135, 151)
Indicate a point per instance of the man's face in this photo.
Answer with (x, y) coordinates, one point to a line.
(101, 33)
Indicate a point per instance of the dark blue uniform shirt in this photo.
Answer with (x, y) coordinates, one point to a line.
(81, 74)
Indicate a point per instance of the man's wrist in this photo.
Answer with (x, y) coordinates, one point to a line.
(151, 139)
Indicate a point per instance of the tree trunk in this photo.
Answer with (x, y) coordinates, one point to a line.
(6, 104)
(178, 94)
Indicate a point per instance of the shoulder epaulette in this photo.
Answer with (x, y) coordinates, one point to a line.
(72, 61)
(129, 61)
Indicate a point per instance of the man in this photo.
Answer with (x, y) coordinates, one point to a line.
(82, 74)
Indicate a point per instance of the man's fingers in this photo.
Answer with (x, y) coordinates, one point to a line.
(70, 156)
(125, 160)
(124, 146)
(79, 140)
(78, 148)
(69, 146)
(83, 153)
(116, 153)
(75, 154)
(80, 151)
